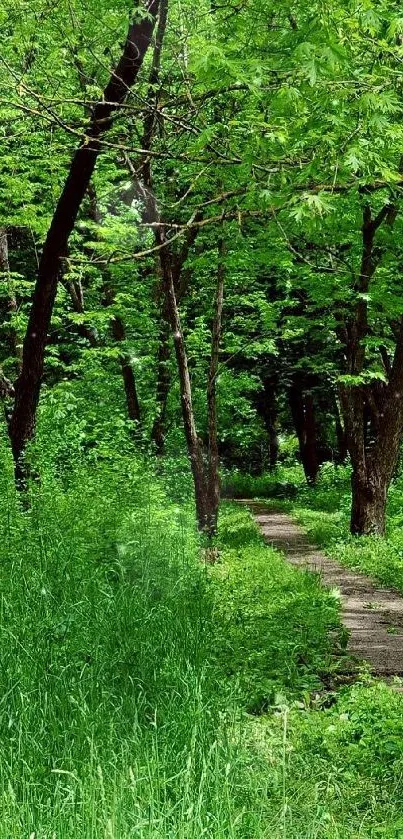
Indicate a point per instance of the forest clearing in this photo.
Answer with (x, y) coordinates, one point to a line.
(201, 387)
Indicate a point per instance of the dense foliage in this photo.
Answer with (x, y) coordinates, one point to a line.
(200, 290)
(255, 159)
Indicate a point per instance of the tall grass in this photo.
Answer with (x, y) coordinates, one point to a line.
(109, 725)
(123, 680)
(127, 671)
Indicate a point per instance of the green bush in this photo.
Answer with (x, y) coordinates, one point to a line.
(282, 483)
(335, 773)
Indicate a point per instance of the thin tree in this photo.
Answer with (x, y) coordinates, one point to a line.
(205, 469)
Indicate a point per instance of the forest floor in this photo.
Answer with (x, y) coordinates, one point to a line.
(373, 615)
(146, 694)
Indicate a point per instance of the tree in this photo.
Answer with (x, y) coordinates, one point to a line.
(372, 406)
(27, 388)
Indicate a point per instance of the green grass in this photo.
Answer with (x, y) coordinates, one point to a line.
(282, 483)
(340, 772)
(279, 628)
(122, 680)
(133, 678)
(324, 511)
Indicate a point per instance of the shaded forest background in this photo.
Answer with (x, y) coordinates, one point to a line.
(200, 238)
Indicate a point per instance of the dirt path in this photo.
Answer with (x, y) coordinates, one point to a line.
(373, 615)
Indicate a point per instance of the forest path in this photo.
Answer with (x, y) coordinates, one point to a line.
(372, 615)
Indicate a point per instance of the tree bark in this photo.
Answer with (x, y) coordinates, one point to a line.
(129, 381)
(76, 294)
(119, 335)
(372, 413)
(374, 431)
(117, 324)
(213, 454)
(368, 510)
(181, 281)
(150, 120)
(266, 404)
(85, 330)
(303, 414)
(27, 390)
(162, 389)
(174, 285)
(194, 445)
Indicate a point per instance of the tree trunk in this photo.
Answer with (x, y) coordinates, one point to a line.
(274, 445)
(213, 454)
(119, 335)
(181, 280)
(162, 390)
(194, 445)
(132, 401)
(27, 391)
(373, 412)
(368, 509)
(77, 299)
(267, 408)
(373, 456)
(303, 415)
(311, 460)
(171, 268)
(373, 416)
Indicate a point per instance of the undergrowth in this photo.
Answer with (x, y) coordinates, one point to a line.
(324, 511)
(280, 630)
(145, 695)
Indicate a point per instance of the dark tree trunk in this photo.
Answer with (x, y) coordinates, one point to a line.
(311, 460)
(214, 488)
(132, 401)
(118, 327)
(171, 264)
(194, 445)
(173, 285)
(181, 281)
(28, 385)
(303, 414)
(373, 412)
(151, 117)
(274, 445)
(84, 330)
(368, 509)
(162, 389)
(205, 475)
(119, 335)
(374, 426)
(266, 405)
(77, 298)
